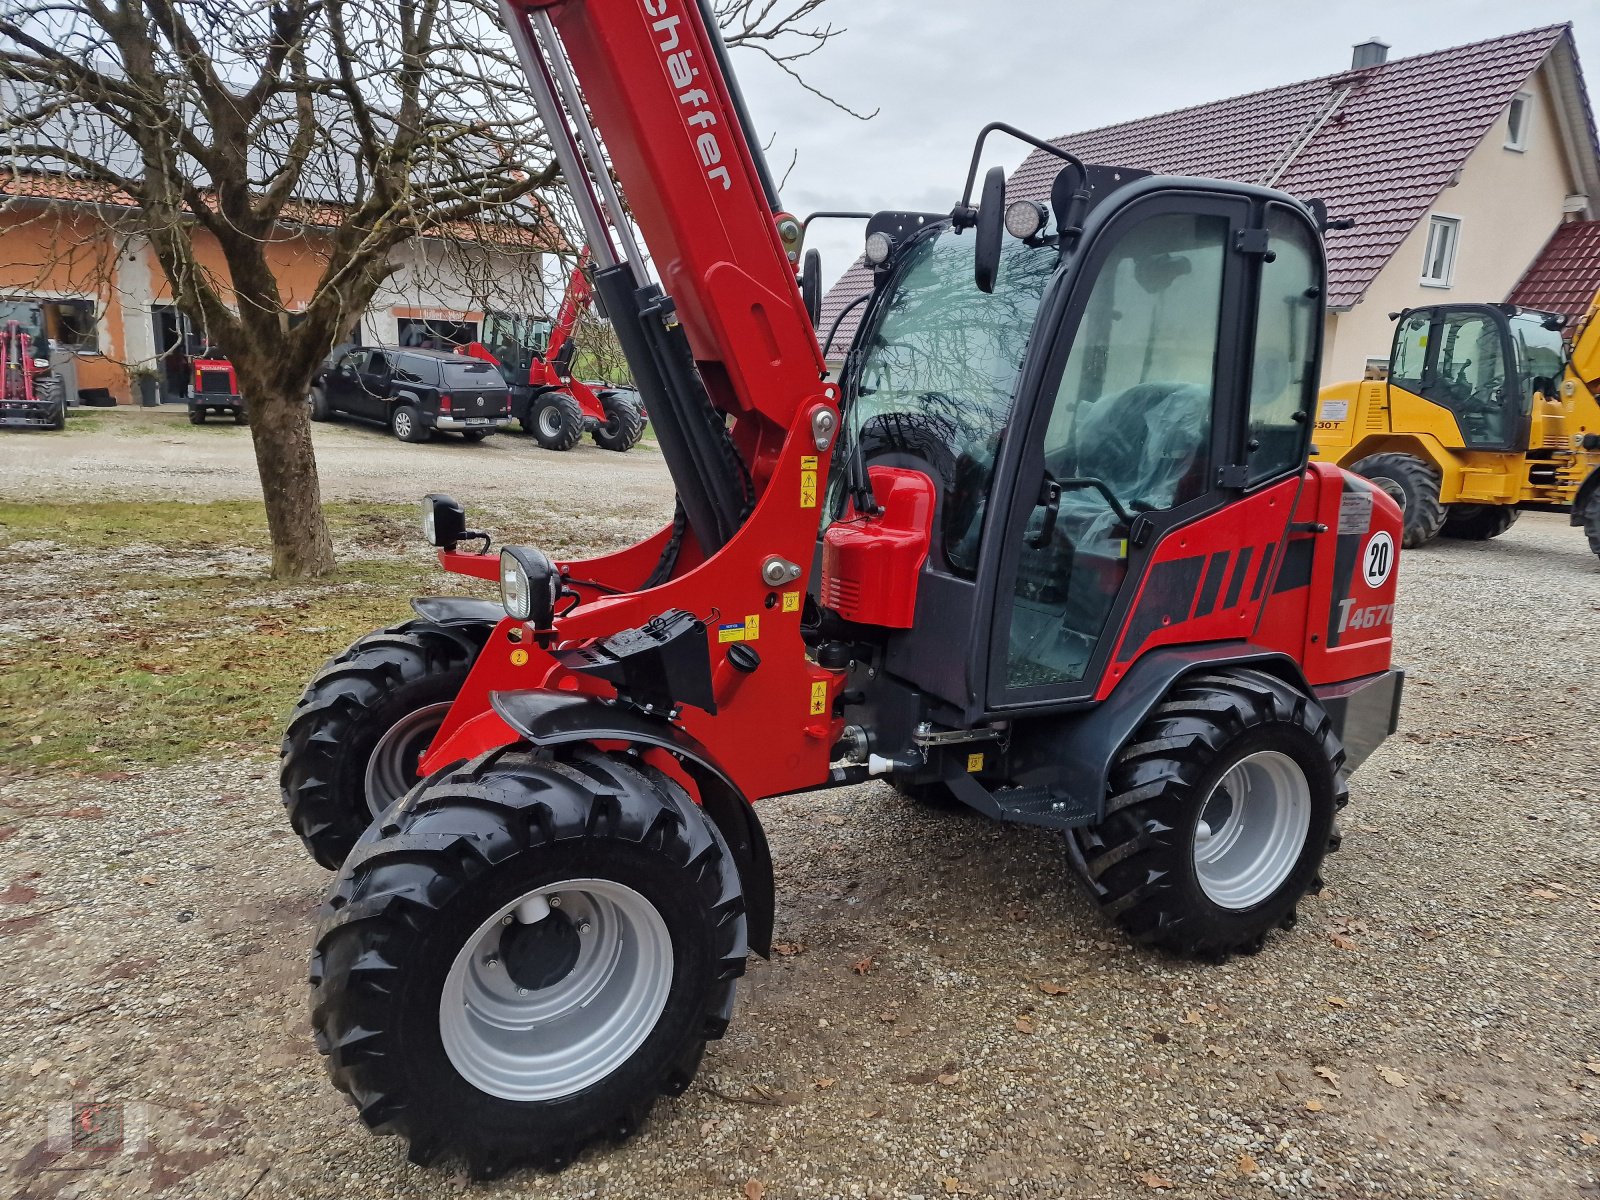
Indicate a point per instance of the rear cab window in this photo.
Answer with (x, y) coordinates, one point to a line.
(470, 373)
(408, 369)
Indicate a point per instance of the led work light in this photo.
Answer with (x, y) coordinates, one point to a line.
(1025, 218)
(444, 522)
(529, 585)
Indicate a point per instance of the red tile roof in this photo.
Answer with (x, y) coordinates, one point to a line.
(1378, 145)
(1566, 275)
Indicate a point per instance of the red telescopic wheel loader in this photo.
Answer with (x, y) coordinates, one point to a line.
(546, 398)
(1051, 545)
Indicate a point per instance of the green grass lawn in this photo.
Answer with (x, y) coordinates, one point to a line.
(149, 633)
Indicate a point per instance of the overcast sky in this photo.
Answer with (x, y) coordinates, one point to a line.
(938, 71)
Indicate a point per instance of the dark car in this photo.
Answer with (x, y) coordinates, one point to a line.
(413, 392)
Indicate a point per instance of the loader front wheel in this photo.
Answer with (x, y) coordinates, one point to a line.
(1591, 522)
(556, 421)
(367, 716)
(624, 424)
(1414, 486)
(521, 958)
(1478, 522)
(1219, 814)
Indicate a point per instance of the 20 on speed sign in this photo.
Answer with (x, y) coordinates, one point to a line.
(1377, 560)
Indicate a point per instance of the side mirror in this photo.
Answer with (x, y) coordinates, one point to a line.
(811, 285)
(991, 224)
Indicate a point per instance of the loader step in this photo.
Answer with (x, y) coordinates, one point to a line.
(1048, 807)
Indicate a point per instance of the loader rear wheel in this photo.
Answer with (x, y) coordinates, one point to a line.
(1414, 486)
(1591, 522)
(556, 421)
(624, 424)
(1220, 812)
(519, 960)
(1478, 522)
(355, 736)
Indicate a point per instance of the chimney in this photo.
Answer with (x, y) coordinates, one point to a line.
(1370, 53)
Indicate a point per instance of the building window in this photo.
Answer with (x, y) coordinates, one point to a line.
(1439, 261)
(73, 324)
(1518, 117)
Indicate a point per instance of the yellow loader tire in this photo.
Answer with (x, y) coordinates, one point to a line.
(1478, 522)
(1414, 486)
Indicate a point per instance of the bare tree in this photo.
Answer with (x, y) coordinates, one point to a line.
(232, 128)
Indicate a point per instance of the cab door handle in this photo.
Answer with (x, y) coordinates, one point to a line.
(1050, 500)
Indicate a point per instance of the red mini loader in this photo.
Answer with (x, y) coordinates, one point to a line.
(549, 401)
(1051, 544)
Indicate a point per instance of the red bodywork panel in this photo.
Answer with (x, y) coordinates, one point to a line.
(658, 97)
(215, 364)
(870, 565)
(1258, 570)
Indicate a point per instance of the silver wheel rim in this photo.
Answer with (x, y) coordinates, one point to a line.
(1252, 829)
(544, 1043)
(550, 421)
(402, 424)
(392, 768)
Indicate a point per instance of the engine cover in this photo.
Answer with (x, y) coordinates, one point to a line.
(870, 565)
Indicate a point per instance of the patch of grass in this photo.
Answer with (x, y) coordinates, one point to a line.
(192, 660)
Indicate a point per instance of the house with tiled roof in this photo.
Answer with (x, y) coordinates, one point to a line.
(1456, 166)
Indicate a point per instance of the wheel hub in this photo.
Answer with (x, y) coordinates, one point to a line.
(540, 955)
(392, 767)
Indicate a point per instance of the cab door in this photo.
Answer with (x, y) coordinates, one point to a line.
(1162, 443)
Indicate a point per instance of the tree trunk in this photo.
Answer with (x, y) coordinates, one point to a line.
(280, 427)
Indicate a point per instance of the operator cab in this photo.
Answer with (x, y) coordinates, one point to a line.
(1106, 390)
(516, 340)
(1483, 363)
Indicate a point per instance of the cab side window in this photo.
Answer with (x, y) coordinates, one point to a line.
(1129, 432)
(1283, 378)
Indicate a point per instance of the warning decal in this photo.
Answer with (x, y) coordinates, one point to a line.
(808, 481)
(819, 698)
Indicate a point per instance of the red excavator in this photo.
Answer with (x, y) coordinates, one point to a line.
(546, 398)
(1051, 545)
(31, 394)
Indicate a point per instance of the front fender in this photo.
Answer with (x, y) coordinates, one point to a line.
(563, 718)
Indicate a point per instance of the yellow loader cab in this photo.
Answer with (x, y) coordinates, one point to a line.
(1485, 412)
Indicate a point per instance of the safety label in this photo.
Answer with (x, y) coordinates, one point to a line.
(519, 658)
(819, 698)
(791, 602)
(747, 630)
(808, 481)
(974, 763)
(1355, 511)
(1333, 410)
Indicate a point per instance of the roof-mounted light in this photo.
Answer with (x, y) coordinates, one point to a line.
(1026, 218)
(879, 246)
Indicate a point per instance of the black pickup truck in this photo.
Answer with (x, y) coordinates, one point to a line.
(413, 392)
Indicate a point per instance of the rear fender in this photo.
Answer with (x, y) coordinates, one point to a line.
(551, 719)
(1074, 754)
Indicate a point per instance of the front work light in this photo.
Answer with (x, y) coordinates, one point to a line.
(444, 522)
(1025, 218)
(529, 585)
(879, 246)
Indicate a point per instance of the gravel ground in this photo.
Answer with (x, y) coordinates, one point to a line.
(946, 1017)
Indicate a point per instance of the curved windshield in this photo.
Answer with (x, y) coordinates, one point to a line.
(1541, 357)
(930, 378)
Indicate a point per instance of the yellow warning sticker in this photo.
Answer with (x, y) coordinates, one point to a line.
(731, 633)
(819, 698)
(808, 481)
(808, 462)
(791, 602)
(519, 658)
(974, 763)
(752, 627)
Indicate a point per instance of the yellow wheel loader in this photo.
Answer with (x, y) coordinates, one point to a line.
(1485, 412)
